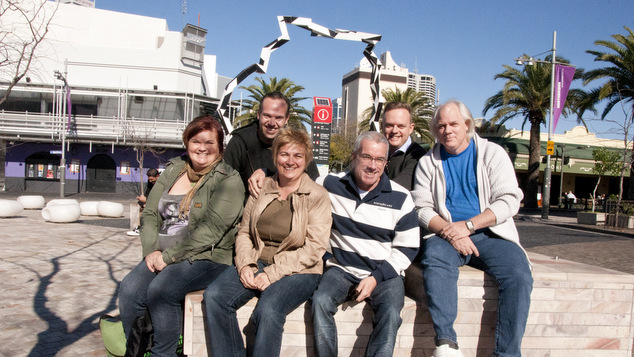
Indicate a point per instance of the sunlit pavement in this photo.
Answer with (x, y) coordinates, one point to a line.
(57, 279)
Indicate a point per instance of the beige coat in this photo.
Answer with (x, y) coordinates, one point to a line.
(302, 251)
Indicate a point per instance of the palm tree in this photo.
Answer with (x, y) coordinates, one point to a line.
(620, 75)
(422, 111)
(527, 93)
(619, 87)
(250, 106)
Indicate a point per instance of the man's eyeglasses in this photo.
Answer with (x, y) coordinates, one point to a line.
(366, 159)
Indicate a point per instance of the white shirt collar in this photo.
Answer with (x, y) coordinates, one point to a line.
(404, 147)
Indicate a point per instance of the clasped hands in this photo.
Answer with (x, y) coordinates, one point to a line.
(154, 261)
(457, 234)
(251, 281)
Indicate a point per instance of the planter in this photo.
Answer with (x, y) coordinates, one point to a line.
(593, 218)
(62, 201)
(32, 201)
(110, 209)
(623, 222)
(61, 213)
(10, 208)
(89, 208)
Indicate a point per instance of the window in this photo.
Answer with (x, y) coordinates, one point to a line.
(42, 166)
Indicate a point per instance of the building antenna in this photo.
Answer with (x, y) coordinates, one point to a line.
(416, 64)
(184, 9)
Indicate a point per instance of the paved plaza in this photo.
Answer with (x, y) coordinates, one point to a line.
(57, 279)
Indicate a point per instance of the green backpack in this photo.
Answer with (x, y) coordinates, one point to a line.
(112, 335)
(114, 338)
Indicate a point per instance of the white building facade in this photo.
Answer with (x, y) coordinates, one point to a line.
(356, 95)
(129, 78)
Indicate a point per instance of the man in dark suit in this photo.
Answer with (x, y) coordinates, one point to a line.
(404, 153)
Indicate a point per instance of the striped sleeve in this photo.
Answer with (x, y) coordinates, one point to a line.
(377, 236)
(405, 244)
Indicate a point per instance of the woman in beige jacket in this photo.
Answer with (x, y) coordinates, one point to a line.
(279, 248)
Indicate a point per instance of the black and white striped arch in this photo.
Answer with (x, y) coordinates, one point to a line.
(316, 30)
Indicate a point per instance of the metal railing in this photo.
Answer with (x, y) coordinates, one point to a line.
(626, 207)
(618, 215)
(25, 126)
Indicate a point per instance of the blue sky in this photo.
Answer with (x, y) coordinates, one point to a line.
(464, 44)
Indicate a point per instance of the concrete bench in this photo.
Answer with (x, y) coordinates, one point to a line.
(577, 310)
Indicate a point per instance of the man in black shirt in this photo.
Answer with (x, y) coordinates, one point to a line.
(250, 147)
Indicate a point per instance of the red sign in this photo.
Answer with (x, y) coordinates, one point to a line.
(322, 110)
(322, 119)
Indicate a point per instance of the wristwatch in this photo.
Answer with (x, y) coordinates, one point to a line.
(470, 226)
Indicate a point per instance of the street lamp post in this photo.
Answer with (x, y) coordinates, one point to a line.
(62, 161)
(547, 170)
(547, 173)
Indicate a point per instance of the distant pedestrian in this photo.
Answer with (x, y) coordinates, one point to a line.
(571, 199)
(152, 176)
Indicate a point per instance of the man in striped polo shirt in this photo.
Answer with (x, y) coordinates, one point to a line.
(374, 238)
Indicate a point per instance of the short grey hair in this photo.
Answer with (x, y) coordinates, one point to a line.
(373, 136)
(464, 112)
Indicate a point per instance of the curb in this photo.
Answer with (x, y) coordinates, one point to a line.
(627, 233)
(596, 230)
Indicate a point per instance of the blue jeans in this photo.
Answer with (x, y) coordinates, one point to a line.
(162, 294)
(501, 259)
(386, 300)
(227, 294)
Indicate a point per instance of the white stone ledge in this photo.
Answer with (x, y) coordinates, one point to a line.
(577, 310)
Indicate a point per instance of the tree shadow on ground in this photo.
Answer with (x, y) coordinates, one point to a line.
(57, 335)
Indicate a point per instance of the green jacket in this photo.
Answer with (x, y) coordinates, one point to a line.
(214, 216)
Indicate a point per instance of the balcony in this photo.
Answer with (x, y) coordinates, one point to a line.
(47, 127)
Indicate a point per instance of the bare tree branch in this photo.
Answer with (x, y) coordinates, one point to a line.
(24, 26)
(141, 139)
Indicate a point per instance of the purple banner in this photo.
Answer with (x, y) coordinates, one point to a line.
(563, 78)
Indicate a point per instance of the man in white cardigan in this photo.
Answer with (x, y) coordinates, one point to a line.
(466, 195)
